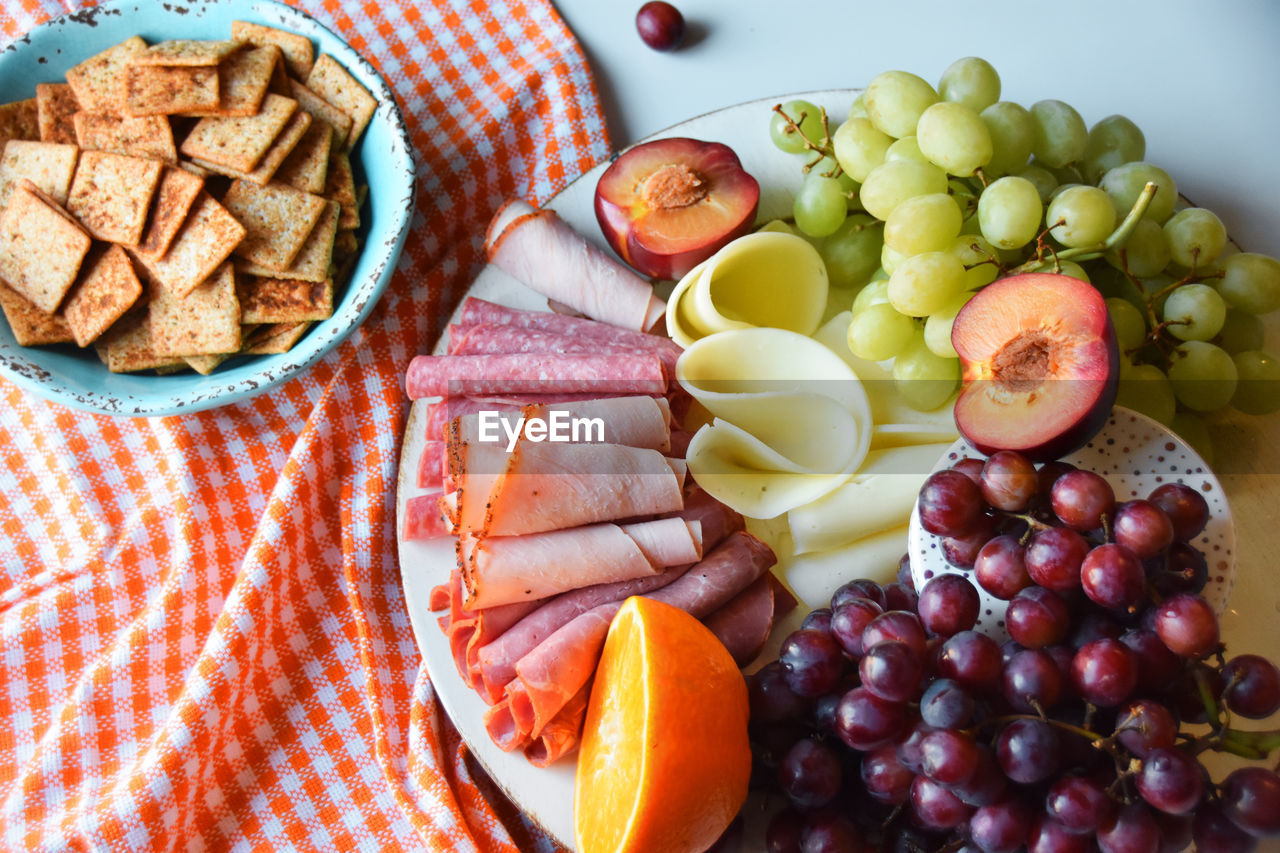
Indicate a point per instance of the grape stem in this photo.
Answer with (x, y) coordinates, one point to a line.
(1118, 237)
(822, 149)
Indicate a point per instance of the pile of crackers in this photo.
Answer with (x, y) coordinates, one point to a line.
(175, 204)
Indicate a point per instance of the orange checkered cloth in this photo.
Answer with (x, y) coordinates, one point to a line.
(203, 637)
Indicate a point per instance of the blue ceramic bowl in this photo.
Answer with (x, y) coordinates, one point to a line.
(77, 378)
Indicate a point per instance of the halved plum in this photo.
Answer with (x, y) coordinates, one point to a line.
(667, 205)
(1040, 365)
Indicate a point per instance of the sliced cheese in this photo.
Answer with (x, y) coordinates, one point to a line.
(814, 577)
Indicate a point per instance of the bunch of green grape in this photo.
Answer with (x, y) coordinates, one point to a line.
(924, 195)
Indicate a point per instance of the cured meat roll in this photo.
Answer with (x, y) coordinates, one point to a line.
(534, 373)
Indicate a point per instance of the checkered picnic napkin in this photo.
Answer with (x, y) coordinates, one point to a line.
(203, 638)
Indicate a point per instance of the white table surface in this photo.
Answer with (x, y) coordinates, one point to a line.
(1199, 78)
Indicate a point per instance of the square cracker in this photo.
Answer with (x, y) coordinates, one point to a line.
(177, 192)
(331, 81)
(314, 259)
(19, 120)
(98, 81)
(299, 54)
(307, 165)
(204, 241)
(111, 194)
(340, 186)
(274, 338)
(139, 136)
(239, 141)
(186, 52)
(31, 326)
(55, 105)
(243, 78)
(204, 322)
(126, 348)
(277, 219)
(41, 247)
(283, 300)
(317, 107)
(48, 165)
(283, 145)
(168, 89)
(104, 293)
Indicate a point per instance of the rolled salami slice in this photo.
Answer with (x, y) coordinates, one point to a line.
(505, 569)
(534, 373)
(498, 338)
(476, 311)
(538, 248)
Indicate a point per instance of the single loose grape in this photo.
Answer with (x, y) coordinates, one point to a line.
(1080, 216)
(1009, 212)
(859, 147)
(1125, 183)
(879, 332)
(953, 137)
(1204, 377)
(926, 223)
(925, 283)
(1258, 385)
(1061, 135)
(895, 181)
(971, 81)
(802, 113)
(1194, 312)
(661, 26)
(1251, 282)
(1113, 141)
(1196, 237)
(895, 100)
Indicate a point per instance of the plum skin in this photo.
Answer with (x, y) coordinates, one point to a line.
(972, 421)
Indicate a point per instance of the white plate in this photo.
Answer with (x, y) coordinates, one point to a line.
(546, 794)
(1135, 454)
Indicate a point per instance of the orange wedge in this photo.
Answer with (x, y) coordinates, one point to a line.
(664, 761)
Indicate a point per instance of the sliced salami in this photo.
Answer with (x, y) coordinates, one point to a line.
(534, 373)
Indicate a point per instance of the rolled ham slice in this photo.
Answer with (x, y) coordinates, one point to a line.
(548, 677)
(505, 569)
(560, 736)
(534, 373)
(496, 338)
(539, 249)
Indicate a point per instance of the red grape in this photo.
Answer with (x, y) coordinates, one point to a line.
(950, 504)
(810, 773)
(1031, 679)
(1112, 576)
(771, 697)
(948, 604)
(1048, 836)
(1157, 666)
(896, 625)
(1187, 509)
(1251, 797)
(1214, 832)
(1143, 527)
(1132, 829)
(661, 26)
(1252, 686)
(1038, 617)
(1001, 827)
(934, 807)
(892, 671)
(848, 621)
(1001, 567)
(1054, 557)
(1144, 725)
(1104, 672)
(1009, 481)
(1187, 625)
(1028, 751)
(1082, 499)
(1171, 780)
(860, 588)
(946, 705)
(1079, 803)
(884, 777)
(972, 659)
(812, 662)
(865, 721)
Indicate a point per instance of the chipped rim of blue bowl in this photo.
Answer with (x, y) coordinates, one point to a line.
(78, 378)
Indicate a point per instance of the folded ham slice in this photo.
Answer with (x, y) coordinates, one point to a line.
(561, 735)
(505, 569)
(538, 248)
(549, 676)
(534, 373)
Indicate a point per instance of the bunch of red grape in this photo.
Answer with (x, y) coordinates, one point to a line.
(889, 723)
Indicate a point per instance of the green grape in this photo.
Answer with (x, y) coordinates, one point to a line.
(1060, 189)
(1196, 237)
(874, 292)
(1061, 135)
(895, 100)
(1009, 211)
(858, 109)
(975, 254)
(1251, 282)
(1241, 331)
(1129, 323)
(924, 379)
(1042, 179)
(829, 168)
(954, 137)
(1067, 174)
(926, 223)
(1072, 269)
(803, 113)
(906, 148)
(1080, 216)
(966, 197)
(895, 181)
(890, 258)
(1194, 312)
(879, 332)
(1258, 386)
(1195, 432)
(1203, 376)
(859, 147)
(852, 252)
(971, 81)
(1012, 136)
(1125, 183)
(924, 283)
(937, 329)
(819, 208)
(1144, 388)
(1113, 141)
(1145, 253)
